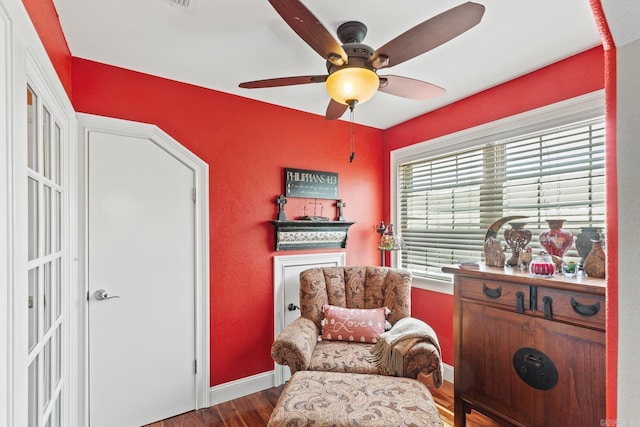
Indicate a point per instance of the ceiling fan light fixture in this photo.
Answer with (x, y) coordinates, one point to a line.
(352, 84)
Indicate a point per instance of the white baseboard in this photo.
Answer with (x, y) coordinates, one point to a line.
(242, 387)
(448, 373)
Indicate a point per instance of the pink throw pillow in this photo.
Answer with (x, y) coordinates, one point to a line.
(353, 324)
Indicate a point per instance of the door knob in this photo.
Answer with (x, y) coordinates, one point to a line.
(102, 295)
(292, 307)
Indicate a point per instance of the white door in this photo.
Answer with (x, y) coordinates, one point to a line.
(141, 258)
(287, 269)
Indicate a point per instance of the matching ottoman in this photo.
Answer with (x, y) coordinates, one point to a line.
(313, 398)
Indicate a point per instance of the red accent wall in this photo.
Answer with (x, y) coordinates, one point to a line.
(246, 144)
(571, 77)
(436, 309)
(44, 17)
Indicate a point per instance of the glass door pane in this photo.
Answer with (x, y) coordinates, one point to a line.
(46, 143)
(33, 393)
(56, 154)
(57, 288)
(46, 298)
(57, 372)
(57, 222)
(46, 207)
(33, 308)
(46, 376)
(32, 134)
(33, 220)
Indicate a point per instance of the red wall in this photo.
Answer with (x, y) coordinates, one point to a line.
(246, 144)
(45, 19)
(574, 76)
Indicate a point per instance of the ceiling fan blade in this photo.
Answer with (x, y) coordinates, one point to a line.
(409, 88)
(335, 110)
(428, 35)
(307, 26)
(283, 81)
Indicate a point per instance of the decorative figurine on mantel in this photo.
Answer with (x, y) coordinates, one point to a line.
(493, 252)
(517, 238)
(524, 259)
(281, 201)
(340, 205)
(315, 216)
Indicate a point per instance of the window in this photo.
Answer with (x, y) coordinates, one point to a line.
(447, 201)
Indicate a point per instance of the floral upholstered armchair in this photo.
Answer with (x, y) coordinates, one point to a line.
(358, 320)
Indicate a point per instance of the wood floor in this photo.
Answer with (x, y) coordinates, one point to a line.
(255, 409)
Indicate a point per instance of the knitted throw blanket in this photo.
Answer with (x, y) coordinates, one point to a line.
(388, 353)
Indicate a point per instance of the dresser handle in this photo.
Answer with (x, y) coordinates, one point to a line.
(520, 302)
(491, 293)
(584, 309)
(535, 368)
(548, 310)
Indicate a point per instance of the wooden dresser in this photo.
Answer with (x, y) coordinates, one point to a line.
(528, 351)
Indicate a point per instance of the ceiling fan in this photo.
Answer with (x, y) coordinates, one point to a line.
(352, 66)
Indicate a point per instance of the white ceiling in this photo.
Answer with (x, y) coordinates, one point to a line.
(221, 43)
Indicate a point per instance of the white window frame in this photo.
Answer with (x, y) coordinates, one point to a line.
(573, 110)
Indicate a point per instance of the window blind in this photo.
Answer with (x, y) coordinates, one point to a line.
(448, 202)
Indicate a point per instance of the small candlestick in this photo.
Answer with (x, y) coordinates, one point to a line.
(281, 201)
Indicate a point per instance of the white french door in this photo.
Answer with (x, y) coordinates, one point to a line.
(45, 263)
(37, 211)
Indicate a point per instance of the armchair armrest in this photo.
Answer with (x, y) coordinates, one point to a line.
(423, 358)
(295, 344)
(409, 348)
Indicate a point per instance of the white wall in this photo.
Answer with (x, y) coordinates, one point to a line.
(623, 19)
(628, 147)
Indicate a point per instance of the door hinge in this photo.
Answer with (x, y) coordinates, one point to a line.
(195, 366)
(193, 195)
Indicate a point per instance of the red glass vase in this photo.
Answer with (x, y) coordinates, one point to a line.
(542, 266)
(556, 241)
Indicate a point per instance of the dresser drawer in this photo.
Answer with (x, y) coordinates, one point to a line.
(509, 295)
(575, 307)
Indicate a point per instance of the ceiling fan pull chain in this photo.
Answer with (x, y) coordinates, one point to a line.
(352, 136)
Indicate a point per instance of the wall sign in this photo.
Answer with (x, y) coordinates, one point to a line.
(310, 184)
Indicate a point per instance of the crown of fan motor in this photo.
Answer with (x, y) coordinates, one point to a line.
(358, 55)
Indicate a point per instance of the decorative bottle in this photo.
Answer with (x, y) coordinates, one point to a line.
(517, 238)
(596, 262)
(583, 241)
(556, 241)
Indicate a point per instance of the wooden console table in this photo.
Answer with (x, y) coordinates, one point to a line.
(528, 351)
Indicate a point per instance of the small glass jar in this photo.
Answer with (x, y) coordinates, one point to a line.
(542, 266)
(569, 269)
